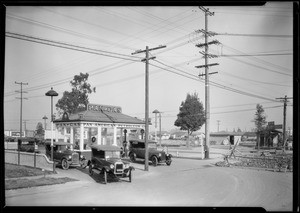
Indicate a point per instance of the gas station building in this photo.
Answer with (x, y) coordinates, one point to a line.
(98, 124)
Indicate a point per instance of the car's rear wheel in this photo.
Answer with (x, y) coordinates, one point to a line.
(132, 157)
(154, 160)
(91, 170)
(130, 176)
(65, 164)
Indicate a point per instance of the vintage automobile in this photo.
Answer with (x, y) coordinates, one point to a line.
(106, 160)
(64, 155)
(137, 150)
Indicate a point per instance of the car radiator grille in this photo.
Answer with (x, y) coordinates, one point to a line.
(119, 168)
(75, 158)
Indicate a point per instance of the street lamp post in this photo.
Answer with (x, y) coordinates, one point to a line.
(51, 93)
(45, 118)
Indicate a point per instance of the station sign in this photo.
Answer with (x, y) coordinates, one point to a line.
(17, 134)
(278, 126)
(104, 108)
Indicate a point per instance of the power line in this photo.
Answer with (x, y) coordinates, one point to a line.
(260, 82)
(258, 59)
(255, 35)
(266, 54)
(193, 77)
(263, 68)
(69, 46)
(62, 81)
(52, 27)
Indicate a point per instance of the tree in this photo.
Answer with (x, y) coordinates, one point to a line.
(260, 121)
(77, 99)
(239, 130)
(191, 115)
(39, 129)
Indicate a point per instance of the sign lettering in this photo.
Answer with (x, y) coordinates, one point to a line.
(104, 108)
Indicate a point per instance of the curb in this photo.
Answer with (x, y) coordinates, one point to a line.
(253, 168)
(193, 158)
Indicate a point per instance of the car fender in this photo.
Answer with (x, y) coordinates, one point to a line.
(107, 168)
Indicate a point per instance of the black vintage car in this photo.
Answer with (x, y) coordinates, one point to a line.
(106, 161)
(64, 155)
(137, 150)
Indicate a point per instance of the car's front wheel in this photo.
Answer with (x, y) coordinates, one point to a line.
(83, 163)
(65, 164)
(91, 170)
(154, 160)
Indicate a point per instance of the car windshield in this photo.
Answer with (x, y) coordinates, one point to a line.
(64, 148)
(152, 145)
(112, 154)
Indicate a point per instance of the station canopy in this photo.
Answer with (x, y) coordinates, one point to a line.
(101, 114)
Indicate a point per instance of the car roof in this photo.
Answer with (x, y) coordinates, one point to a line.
(141, 141)
(60, 143)
(106, 147)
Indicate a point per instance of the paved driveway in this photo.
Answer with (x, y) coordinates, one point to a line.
(185, 183)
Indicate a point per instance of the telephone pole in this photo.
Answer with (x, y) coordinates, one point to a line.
(146, 59)
(21, 98)
(25, 130)
(285, 100)
(206, 56)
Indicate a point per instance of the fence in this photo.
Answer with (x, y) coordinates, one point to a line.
(29, 159)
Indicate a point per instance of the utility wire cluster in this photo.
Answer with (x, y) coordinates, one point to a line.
(132, 59)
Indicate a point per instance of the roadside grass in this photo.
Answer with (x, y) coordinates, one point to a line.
(15, 171)
(19, 173)
(27, 183)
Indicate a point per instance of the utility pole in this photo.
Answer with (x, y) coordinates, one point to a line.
(206, 56)
(21, 98)
(160, 129)
(218, 125)
(146, 59)
(285, 100)
(25, 130)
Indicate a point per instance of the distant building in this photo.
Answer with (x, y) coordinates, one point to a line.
(226, 138)
(16, 133)
(165, 135)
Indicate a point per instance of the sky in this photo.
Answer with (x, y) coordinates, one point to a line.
(45, 46)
